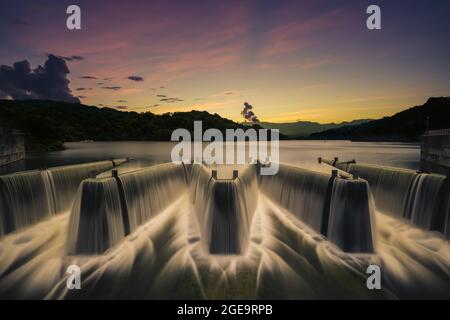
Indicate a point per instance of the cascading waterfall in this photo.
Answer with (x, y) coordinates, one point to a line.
(148, 191)
(31, 196)
(200, 190)
(247, 186)
(300, 191)
(105, 208)
(420, 197)
(340, 209)
(163, 259)
(425, 200)
(224, 209)
(25, 199)
(390, 186)
(351, 216)
(96, 218)
(65, 180)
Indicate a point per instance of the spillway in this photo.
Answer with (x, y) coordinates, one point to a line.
(96, 219)
(65, 180)
(224, 208)
(198, 231)
(351, 216)
(422, 198)
(428, 203)
(32, 196)
(25, 198)
(340, 209)
(390, 186)
(107, 209)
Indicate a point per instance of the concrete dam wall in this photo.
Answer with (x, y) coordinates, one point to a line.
(12, 146)
(435, 151)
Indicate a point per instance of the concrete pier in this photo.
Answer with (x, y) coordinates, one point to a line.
(12, 146)
(435, 151)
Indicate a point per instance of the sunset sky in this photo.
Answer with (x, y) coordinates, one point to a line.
(308, 60)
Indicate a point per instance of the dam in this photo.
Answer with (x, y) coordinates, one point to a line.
(12, 146)
(197, 231)
(435, 151)
(419, 197)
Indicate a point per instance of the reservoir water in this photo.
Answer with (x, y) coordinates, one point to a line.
(298, 152)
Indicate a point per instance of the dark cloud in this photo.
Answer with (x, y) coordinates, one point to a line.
(88, 77)
(112, 88)
(107, 79)
(100, 83)
(83, 89)
(66, 58)
(228, 93)
(162, 87)
(48, 82)
(122, 101)
(153, 106)
(135, 78)
(121, 107)
(81, 97)
(171, 100)
(166, 99)
(248, 114)
(72, 58)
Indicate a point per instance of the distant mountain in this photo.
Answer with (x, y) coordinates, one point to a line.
(301, 129)
(48, 124)
(405, 126)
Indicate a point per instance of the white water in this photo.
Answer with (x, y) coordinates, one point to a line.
(65, 181)
(426, 199)
(150, 190)
(107, 209)
(158, 261)
(390, 186)
(95, 218)
(32, 196)
(285, 258)
(300, 191)
(25, 199)
(224, 209)
(421, 198)
(351, 216)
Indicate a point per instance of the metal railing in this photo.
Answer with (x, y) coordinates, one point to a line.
(440, 132)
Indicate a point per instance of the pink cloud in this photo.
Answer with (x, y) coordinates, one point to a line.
(295, 35)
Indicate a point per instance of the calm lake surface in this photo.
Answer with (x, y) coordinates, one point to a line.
(299, 152)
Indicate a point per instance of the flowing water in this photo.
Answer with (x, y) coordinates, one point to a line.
(31, 196)
(422, 198)
(184, 231)
(224, 208)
